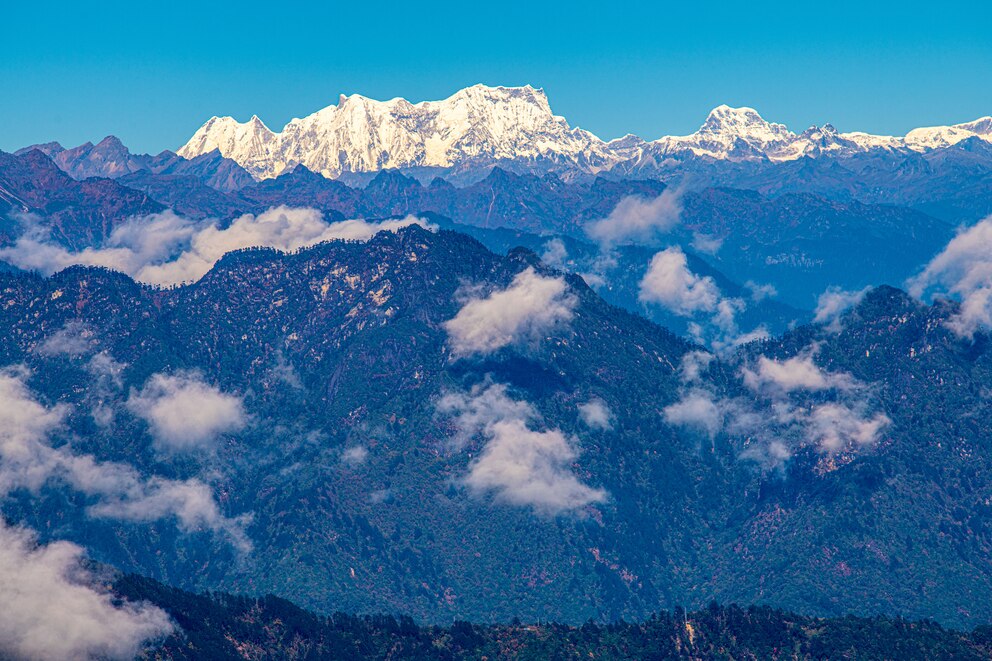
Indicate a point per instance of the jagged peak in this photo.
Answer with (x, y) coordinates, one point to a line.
(111, 141)
(481, 125)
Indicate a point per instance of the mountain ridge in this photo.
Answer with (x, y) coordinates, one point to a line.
(482, 125)
(344, 345)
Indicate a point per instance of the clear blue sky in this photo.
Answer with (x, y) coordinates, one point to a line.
(151, 73)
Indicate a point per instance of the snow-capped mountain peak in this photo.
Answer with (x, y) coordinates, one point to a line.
(731, 133)
(935, 137)
(743, 121)
(481, 126)
(363, 135)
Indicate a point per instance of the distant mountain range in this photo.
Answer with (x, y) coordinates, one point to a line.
(484, 126)
(460, 360)
(943, 171)
(110, 159)
(797, 242)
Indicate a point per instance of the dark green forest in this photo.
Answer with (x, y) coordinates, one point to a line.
(223, 626)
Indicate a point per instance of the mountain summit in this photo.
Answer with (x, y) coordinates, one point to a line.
(481, 126)
(477, 125)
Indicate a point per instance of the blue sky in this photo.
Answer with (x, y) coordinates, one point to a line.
(152, 74)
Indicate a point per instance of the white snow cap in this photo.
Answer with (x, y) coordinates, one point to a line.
(483, 125)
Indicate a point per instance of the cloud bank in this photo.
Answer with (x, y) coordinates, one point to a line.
(795, 404)
(519, 465)
(28, 461)
(167, 249)
(185, 413)
(53, 609)
(963, 269)
(520, 314)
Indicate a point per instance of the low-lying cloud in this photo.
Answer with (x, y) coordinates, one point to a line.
(71, 340)
(833, 303)
(670, 283)
(596, 414)
(166, 249)
(963, 269)
(772, 377)
(832, 426)
(28, 461)
(356, 455)
(54, 609)
(795, 404)
(523, 313)
(184, 413)
(518, 464)
(637, 220)
(698, 408)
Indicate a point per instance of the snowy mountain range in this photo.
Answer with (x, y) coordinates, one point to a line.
(482, 126)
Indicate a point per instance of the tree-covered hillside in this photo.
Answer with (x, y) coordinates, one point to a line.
(220, 626)
(417, 425)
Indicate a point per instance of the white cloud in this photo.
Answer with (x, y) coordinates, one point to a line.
(24, 426)
(963, 269)
(105, 368)
(555, 253)
(28, 461)
(833, 303)
(790, 412)
(596, 414)
(522, 313)
(834, 426)
(769, 453)
(481, 407)
(729, 339)
(107, 381)
(124, 495)
(184, 412)
(796, 373)
(71, 340)
(699, 409)
(760, 292)
(975, 313)
(166, 249)
(596, 275)
(356, 455)
(380, 496)
(638, 220)
(527, 467)
(670, 283)
(706, 243)
(520, 465)
(284, 371)
(693, 365)
(54, 609)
